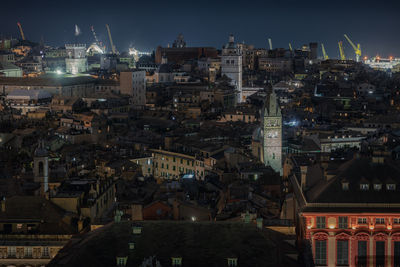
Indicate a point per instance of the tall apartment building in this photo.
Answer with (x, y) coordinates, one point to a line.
(133, 83)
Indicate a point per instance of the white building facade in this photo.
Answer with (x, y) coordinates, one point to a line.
(231, 65)
(76, 60)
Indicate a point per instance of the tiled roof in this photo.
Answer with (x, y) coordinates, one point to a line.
(357, 171)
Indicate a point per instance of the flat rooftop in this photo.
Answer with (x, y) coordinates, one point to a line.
(47, 80)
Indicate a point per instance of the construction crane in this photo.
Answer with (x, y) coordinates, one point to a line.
(290, 47)
(21, 31)
(270, 43)
(94, 35)
(357, 49)
(324, 52)
(111, 41)
(341, 51)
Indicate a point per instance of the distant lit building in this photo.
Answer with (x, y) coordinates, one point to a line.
(275, 64)
(76, 60)
(313, 51)
(231, 65)
(350, 214)
(31, 231)
(179, 52)
(56, 85)
(172, 165)
(272, 133)
(133, 83)
(384, 64)
(28, 100)
(8, 69)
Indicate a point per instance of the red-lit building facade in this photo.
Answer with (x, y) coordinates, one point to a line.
(353, 239)
(351, 216)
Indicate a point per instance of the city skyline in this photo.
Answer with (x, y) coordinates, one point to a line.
(200, 133)
(147, 25)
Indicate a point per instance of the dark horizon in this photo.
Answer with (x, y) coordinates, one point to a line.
(147, 25)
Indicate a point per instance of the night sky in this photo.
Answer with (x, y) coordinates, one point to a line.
(147, 24)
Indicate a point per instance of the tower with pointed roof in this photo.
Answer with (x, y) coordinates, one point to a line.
(272, 133)
(231, 65)
(41, 167)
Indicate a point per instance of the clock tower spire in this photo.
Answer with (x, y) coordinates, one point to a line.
(272, 133)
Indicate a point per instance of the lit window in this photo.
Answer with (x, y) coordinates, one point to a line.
(343, 223)
(176, 261)
(377, 187)
(391, 187)
(45, 252)
(19, 226)
(121, 261)
(364, 187)
(380, 220)
(342, 252)
(11, 251)
(396, 220)
(28, 252)
(362, 220)
(320, 222)
(232, 262)
(320, 252)
(345, 186)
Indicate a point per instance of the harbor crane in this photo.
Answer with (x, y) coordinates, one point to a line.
(325, 55)
(341, 51)
(94, 35)
(270, 43)
(21, 31)
(114, 51)
(357, 49)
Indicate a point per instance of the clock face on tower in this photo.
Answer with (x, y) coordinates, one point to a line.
(272, 123)
(272, 142)
(272, 134)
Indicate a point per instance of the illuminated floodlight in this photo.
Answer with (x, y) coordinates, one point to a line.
(59, 72)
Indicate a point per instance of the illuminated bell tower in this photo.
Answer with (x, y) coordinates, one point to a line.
(272, 133)
(41, 168)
